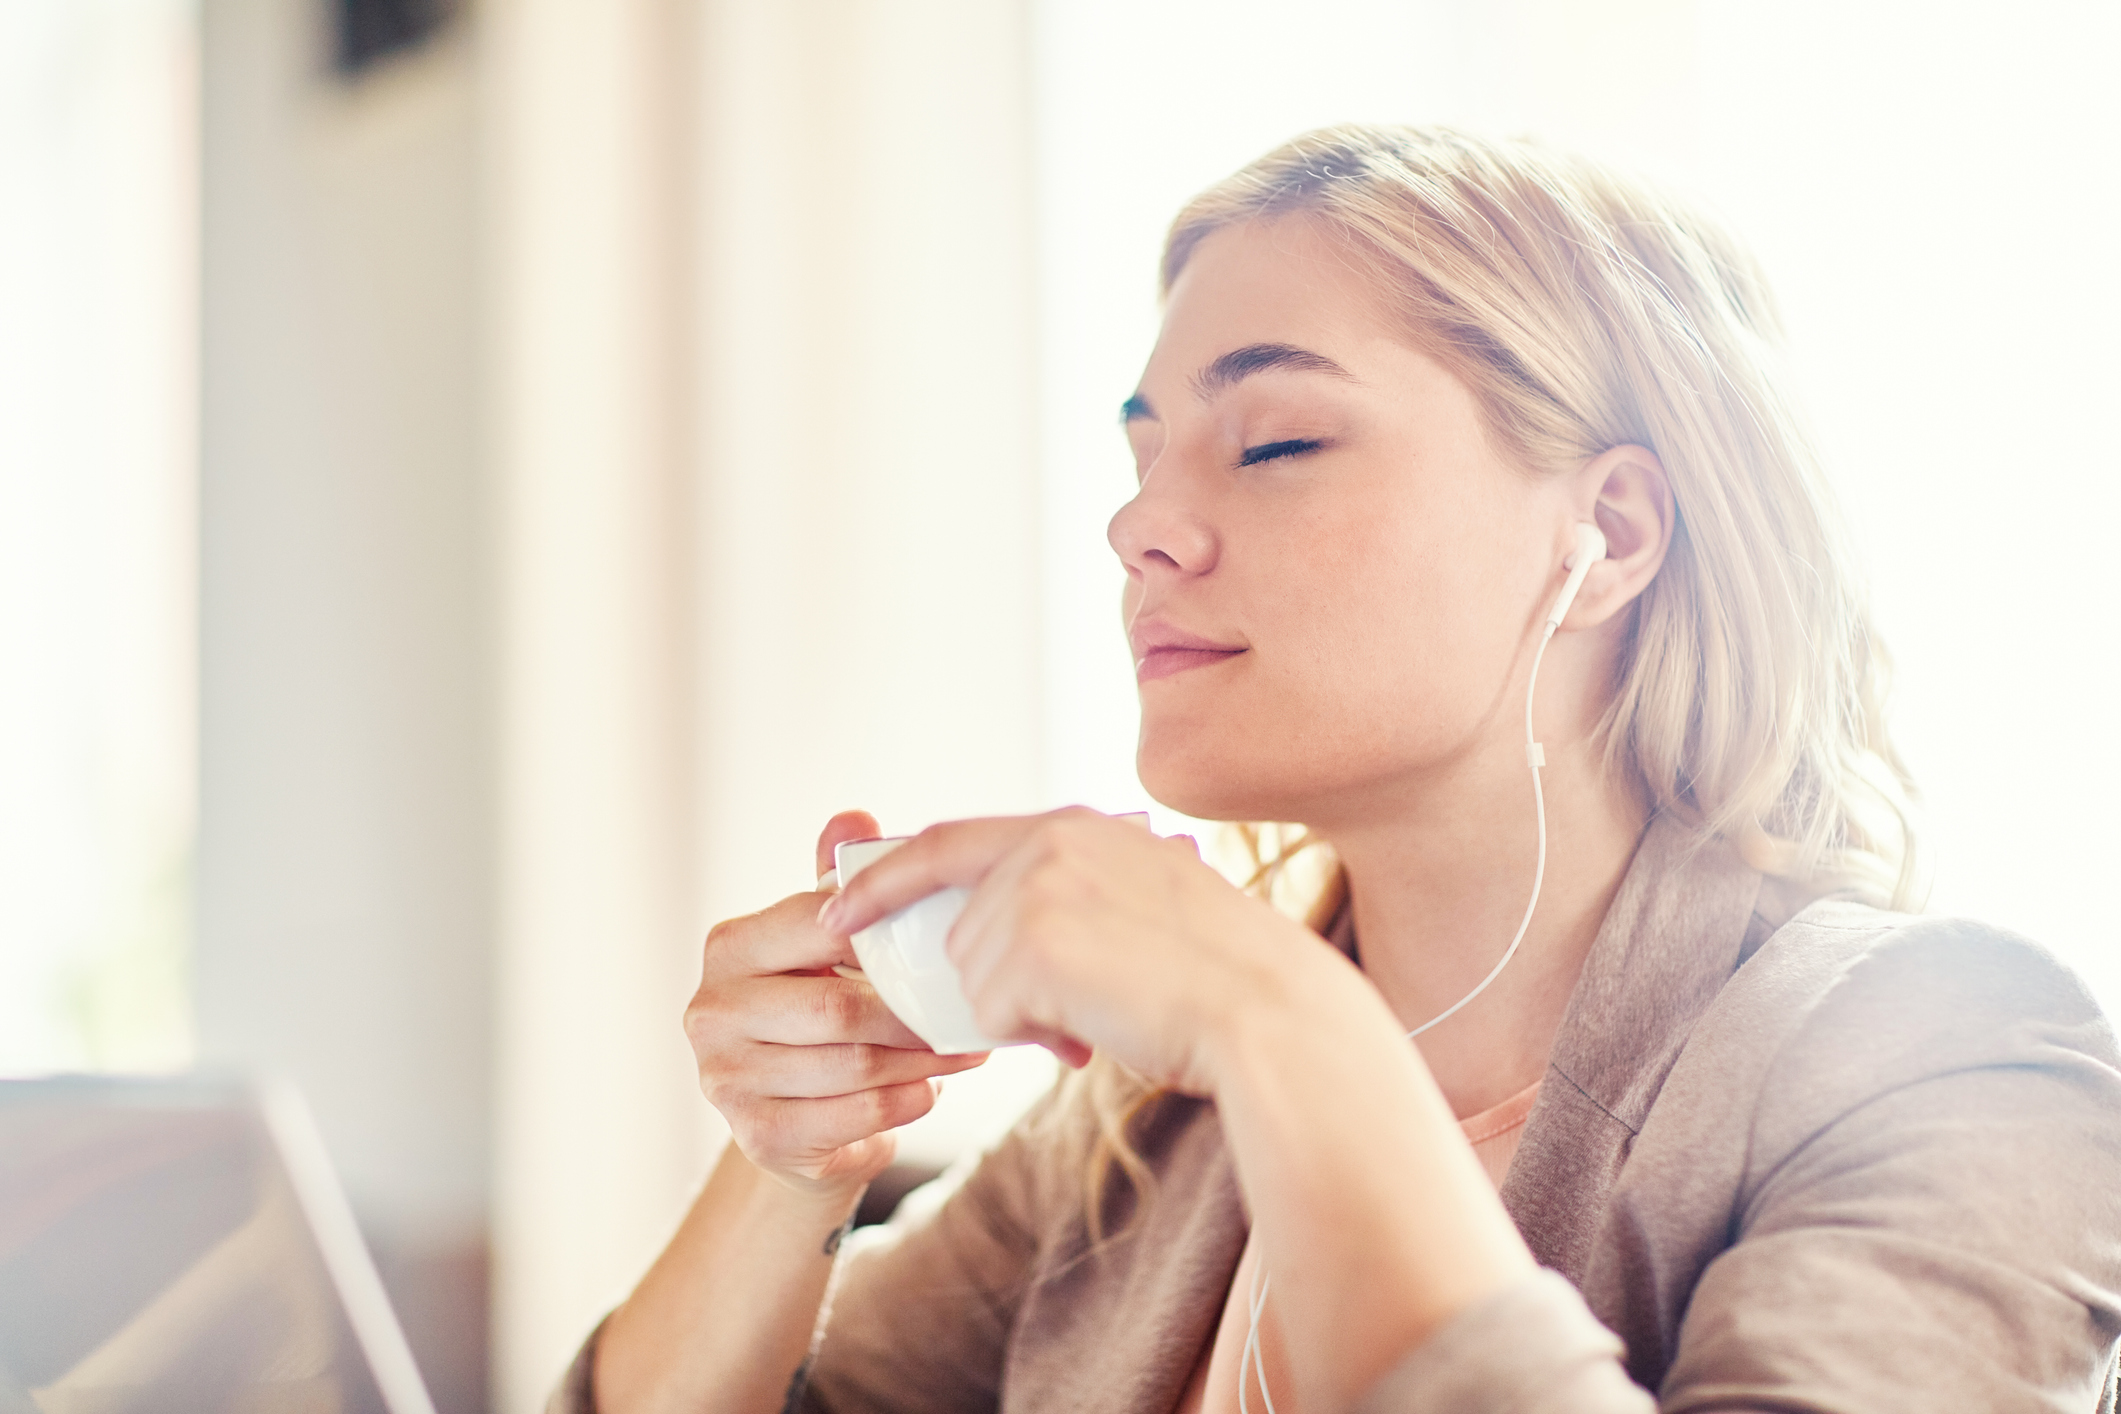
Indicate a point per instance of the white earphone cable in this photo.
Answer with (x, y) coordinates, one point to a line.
(1535, 757)
(1251, 1359)
(1252, 1355)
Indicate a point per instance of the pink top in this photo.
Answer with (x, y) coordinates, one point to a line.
(1493, 1133)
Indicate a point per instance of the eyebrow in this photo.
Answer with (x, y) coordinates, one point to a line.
(1238, 365)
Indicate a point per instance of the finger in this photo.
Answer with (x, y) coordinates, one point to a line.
(847, 825)
(783, 938)
(814, 1011)
(956, 854)
(821, 1072)
(820, 1126)
(985, 933)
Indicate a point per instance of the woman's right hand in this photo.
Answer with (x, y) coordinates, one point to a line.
(811, 1069)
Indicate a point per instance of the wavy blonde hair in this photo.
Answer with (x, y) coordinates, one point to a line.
(1586, 310)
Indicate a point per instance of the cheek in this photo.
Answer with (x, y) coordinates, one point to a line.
(1393, 637)
(1380, 649)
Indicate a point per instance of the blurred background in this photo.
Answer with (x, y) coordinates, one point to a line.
(481, 482)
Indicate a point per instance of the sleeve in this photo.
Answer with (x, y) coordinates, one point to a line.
(1931, 1218)
(921, 1312)
(1533, 1346)
(1928, 1219)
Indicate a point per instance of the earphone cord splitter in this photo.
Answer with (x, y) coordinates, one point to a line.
(1251, 1359)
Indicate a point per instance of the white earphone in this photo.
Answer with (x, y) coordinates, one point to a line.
(1589, 550)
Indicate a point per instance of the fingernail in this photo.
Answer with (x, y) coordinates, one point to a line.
(828, 917)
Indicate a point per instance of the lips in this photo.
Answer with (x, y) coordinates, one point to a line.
(1163, 662)
(1161, 650)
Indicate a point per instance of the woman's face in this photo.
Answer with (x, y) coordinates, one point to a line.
(1332, 576)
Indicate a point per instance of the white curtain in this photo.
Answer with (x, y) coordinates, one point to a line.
(98, 376)
(761, 326)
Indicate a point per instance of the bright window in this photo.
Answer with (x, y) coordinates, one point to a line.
(1931, 190)
(97, 272)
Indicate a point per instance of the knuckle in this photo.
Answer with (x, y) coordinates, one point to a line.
(707, 1023)
(722, 1070)
(1039, 909)
(1064, 851)
(870, 1063)
(848, 1064)
(838, 1007)
(735, 1105)
(1045, 882)
(720, 936)
(1046, 841)
(1075, 825)
(879, 1108)
(923, 848)
(729, 1085)
(786, 1130)
(722, 951)
(771, 1129)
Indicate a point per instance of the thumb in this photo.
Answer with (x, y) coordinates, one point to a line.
(847, 825)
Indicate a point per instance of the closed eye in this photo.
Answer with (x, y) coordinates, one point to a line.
(1274, 451)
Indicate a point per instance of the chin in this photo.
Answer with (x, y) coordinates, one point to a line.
(1211, 780)
(1232, 767)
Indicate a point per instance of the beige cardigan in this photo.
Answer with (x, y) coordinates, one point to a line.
(1842, 1161)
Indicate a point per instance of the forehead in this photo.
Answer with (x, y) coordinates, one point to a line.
(1290, 279)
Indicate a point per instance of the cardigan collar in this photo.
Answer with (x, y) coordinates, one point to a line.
(1674, 934)
(1677, 930)
(1672, 938)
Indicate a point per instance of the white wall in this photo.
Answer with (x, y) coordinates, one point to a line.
(1932, 191)
(344, 920)
(601, 1133)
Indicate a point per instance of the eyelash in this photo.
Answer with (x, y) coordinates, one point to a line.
(1274, 451)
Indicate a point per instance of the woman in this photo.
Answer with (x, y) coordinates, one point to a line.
(1723, 1134)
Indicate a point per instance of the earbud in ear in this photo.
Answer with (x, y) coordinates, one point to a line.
(1590, 549)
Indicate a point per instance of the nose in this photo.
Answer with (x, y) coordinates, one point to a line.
(1161, 532)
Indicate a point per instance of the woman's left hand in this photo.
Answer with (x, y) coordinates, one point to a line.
(1086, 931)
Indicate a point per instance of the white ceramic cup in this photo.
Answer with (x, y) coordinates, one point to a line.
(903, 956)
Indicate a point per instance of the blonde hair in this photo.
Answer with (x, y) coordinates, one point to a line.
(1586, 310)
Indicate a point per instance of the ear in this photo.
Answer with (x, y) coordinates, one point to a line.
(1625, 493)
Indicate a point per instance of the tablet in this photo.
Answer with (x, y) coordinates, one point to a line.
(181, 1244)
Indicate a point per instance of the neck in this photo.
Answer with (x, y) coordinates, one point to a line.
(1439, 886)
